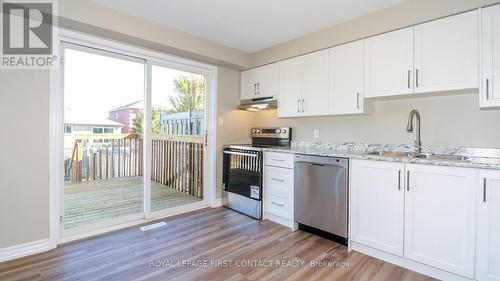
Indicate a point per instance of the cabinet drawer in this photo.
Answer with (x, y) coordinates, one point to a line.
(284, 160)
(278, 205)
(278, 180)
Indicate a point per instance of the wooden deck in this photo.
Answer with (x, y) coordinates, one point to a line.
(102, 200)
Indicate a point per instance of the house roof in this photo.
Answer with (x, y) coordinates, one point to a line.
(96, 122)
(134, 105)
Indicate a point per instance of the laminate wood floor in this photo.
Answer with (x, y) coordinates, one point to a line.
(209, 244)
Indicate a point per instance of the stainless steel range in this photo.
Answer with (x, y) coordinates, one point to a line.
(242, 170)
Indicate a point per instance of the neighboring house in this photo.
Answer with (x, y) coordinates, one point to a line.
(74, 128)
(126, 114)
(104, 126)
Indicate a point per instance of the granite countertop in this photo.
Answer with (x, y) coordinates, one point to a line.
(477, 158)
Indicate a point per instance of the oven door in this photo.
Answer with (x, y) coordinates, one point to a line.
(242, 172)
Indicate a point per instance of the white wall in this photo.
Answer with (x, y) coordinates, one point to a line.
(24, 174)
(446, 120)
(405, 14)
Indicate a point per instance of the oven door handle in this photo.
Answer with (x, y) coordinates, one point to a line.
(239, 153)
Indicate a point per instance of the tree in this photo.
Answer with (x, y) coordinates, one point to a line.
(139, 120)
(190, 94)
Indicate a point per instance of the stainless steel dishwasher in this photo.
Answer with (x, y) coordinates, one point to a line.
(320, 204)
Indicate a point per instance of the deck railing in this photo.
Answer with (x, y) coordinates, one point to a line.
(177, 161)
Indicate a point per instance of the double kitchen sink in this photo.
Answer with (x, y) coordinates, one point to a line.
(429, 156)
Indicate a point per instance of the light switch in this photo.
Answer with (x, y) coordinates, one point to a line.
(221, 121)
(316, 133)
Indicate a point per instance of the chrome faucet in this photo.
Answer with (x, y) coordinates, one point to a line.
(409, 129)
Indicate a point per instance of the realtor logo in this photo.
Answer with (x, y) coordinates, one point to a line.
(27, 32)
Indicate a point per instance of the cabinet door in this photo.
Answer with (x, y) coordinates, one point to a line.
(377, 205)
(440, 217)
(346, 63)
(316, 67)
(389, 64)
(290, 77)
(248, 84)
(490, 91)
(268, 80)
(488, 240)
(446, 54)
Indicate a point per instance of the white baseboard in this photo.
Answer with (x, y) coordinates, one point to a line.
(25, 249)
(408, 264)
(217, 203)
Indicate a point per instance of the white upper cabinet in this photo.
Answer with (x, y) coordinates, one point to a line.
(440, 217)
(290, 84)
(389, 64)
(447, 54)
(248, 84)
(488, 223)
(316, 67)
(377, 205)
(260, 82)
(490, 36)
(268, 80)
(346, 63)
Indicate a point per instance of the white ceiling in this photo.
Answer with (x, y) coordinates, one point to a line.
(249, 25)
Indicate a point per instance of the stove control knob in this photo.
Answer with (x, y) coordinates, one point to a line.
(283, 131)
(257, 131)
(278, 131)
(254, 131)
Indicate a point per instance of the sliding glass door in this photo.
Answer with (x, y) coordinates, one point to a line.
(135, 134)
(178, 130)
(103, 144)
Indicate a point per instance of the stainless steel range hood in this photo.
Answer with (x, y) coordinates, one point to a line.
(259, 104)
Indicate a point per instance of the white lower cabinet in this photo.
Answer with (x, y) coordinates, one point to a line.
(440, 217)
(377, 205)
(278, 188)
(423, 213)
(488, 223)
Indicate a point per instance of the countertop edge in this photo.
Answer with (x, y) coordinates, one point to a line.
(406, 160)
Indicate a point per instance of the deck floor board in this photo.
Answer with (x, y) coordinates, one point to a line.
(101, 200)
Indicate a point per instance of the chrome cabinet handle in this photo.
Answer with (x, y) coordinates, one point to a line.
(302, 105)
(258, 88)
(399, 180)
(298, 105)
(407, 180)
(280, 180)
(254, 88)
(416, 78)
(484, 190)
(280, 160)
(409, 76)
(487, 89)
(277, 204)
(357, 100)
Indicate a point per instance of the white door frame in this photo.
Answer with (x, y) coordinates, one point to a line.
(56, 134)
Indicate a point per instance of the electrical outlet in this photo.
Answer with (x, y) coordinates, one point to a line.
(316, 133)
